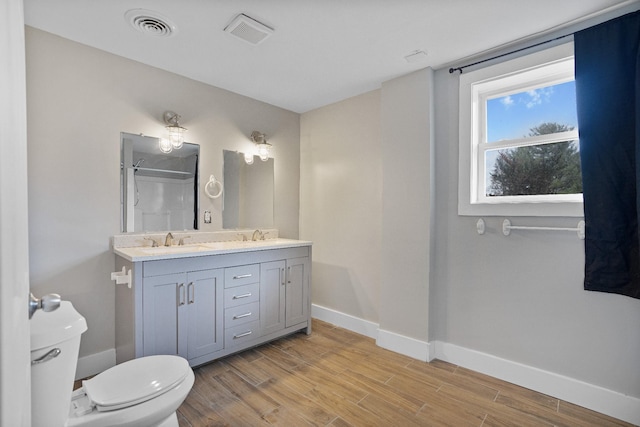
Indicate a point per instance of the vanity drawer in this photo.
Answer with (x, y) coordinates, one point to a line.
(241, 275)
(240, 334)
(241, 314)
(241, 295)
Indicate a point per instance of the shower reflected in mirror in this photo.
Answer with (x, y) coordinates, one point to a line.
(159, 191)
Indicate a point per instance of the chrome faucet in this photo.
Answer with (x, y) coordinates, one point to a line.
(257, 235)
(168, 241)
(154, 244)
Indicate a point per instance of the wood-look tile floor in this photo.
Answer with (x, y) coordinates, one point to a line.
(335, 377)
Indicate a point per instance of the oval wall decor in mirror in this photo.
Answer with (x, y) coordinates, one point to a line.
(159, 191)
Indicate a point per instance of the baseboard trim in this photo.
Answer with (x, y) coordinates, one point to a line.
(95, 363)
(355, 324)
(390, 340)
(404, 345)
(605, 401)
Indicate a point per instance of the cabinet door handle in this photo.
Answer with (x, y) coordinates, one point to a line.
(288, 274)
(244, 334)
(242, 276)
(248, 294)
(240, 316)
(191, 292)
(181, 294)
(282, 276)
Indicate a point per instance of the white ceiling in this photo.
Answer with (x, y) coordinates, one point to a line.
(322, 51)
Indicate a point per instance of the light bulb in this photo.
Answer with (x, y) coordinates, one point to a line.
(165, 145)
(176, 136)
(263, 151)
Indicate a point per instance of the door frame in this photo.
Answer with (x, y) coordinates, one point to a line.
(15, 367)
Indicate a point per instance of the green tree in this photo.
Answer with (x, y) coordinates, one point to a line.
(538, 169)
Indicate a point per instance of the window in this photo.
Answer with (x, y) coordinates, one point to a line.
(519, 152)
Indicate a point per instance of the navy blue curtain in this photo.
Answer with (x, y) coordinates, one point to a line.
(608, 97)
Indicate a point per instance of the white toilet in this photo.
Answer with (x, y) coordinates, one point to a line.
(141, 392)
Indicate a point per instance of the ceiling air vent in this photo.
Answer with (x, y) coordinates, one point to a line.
(150, 22)
(248, 29)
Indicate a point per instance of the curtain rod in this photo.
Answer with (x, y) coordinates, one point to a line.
(462, 67)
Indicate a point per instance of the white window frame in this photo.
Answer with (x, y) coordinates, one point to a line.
(543, 68)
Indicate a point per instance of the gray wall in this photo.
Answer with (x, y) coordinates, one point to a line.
(341, 203)
(521, 297)
(366, 203)
(79, 99)
(407, 183)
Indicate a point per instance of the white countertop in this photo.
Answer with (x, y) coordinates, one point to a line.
(147, 253)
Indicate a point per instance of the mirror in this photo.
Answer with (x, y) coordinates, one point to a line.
(159, 191)
(248, 192)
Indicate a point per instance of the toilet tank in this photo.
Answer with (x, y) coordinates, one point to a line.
(56, 334)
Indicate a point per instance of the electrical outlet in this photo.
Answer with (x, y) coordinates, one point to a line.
(207, 217)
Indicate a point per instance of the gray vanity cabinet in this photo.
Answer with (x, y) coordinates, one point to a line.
(182, 314)
(272, 303)
(241, 305)
(284, 299)
(206, 307)
(297, 291)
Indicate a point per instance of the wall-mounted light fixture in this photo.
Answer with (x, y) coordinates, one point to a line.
(264, 148)
(176, 132)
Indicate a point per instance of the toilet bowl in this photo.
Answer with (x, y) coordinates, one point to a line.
(141, 392)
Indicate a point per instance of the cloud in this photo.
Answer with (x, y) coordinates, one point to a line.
(507, 101)
(538, 96)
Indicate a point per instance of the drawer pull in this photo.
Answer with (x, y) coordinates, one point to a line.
(244, 334)
(247, 295)
(242, 276)
(240, 316)
(191, 293)
(181, 298)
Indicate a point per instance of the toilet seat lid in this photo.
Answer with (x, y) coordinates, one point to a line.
(135, 381)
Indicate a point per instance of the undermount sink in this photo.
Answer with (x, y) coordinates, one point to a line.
(161, 250)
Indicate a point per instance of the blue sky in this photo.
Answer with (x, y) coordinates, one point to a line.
(512, 116)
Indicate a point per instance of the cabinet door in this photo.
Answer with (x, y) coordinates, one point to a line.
(272, 296)
(162, 318)
(297, 288)
(205, 312)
